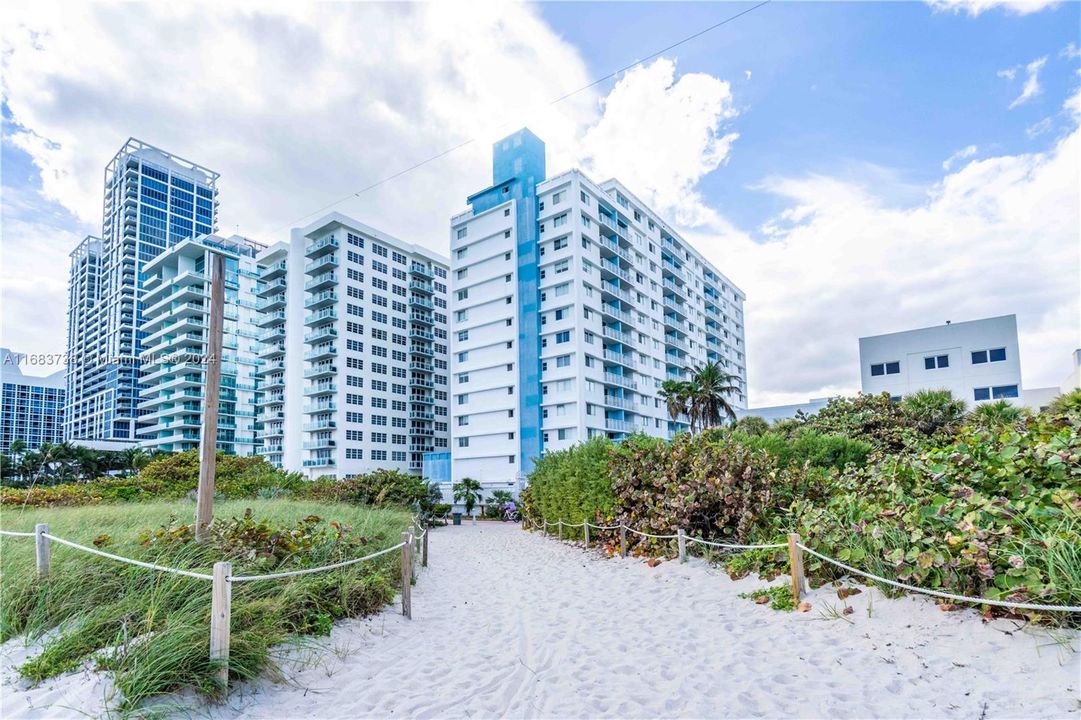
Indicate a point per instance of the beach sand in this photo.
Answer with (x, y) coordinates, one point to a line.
(511, 624)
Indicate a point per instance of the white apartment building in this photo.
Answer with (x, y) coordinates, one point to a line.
(571, 302)
(354, 333)
(176, 320)
(977, 360)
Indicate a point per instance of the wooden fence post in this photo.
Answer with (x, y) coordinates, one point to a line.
(561, 529)
(424, 549)
(585, 527)
(544, 529)
(41, 548)
(795, 563)
(682, 540)
(220, 613)
(407, 577)
(623, 541)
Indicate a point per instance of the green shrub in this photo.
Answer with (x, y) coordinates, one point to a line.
(572, 485)
(380, 487)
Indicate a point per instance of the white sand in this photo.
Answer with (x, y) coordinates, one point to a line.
(507, 623)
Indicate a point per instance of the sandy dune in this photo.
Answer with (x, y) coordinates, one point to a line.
(507, 623)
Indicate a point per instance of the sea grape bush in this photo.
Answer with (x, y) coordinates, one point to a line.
(964, 505)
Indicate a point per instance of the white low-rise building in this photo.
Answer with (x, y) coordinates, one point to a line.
(976, 360)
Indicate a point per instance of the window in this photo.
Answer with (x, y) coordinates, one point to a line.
(463, 420)
(560, 220)
(461, 253)
(463, 294)
(1001, 392)
(563, 337)
(463, 398)
(462, 273)
(557, 198)
(462, 232)
(981, 394)
(463, 335)
(936, 362)
(994, 355)
(463, 356)
(463, 377)
(463, 442)
(890, 368)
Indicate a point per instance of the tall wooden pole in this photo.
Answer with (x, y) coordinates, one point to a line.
(208, 443)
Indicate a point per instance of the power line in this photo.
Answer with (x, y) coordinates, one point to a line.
(555, 101)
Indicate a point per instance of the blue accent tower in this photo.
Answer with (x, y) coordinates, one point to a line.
(517, 169)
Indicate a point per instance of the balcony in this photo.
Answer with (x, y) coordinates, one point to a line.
(274, 333)
(320, 300)
(269, 352)
(617, 313)
(270, 288)
(422, 287)
(271, 272)
(275, 302)
(421, 367)
(320, 425)
(421, 350)
(320, 371)
(322, 352)
(423, 318)
(623, 403)
(626, 359)
(319, 462)
(322, 282)
(419, 334)
(421, 415)
(674, 270)
(421, 382)
(673, 341)
(422, 432)
(617, 292)
(325, 262)
(422, 399)
(273, 383)
(613, 334)
(321, 247)
(420, 270)
(625, 426)
(614, 269)
(271, 399)
(320, 408)
(320, 389)
(621, 380)
(330, 314)
(270, 318)
(319, 444)
(320, 335)
(270, 367)
(421, 302)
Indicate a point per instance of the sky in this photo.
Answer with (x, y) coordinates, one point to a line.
(856, 168)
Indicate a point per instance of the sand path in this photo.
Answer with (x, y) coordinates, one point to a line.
(510, 624)
(507, 623)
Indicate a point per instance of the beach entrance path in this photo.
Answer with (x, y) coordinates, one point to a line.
(508, 623)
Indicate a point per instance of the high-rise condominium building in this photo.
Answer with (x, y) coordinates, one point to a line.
(152, 200)
(176, 320)
(571, 302)
(354, 332)
(31, 407)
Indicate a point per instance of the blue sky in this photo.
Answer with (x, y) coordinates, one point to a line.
(836, 87)
(804, 148)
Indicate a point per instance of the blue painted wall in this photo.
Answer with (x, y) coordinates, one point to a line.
(517, 168)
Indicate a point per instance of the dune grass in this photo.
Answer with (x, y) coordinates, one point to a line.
(152, 628)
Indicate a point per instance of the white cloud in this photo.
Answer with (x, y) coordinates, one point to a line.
(295, 104)
(998, 236)
(962, 154)
(976, 7)
(1071, 52)
(1031, 88)
(683, 121)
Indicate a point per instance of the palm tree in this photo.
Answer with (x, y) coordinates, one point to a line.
(17, 448)
(467, 492)
(676, 395)
(711, 387)
(996, 415)
(933, 410)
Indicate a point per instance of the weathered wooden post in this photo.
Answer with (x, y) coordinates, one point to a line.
(424, 549)
(682, 540)
(585, 527)
(41, 548)
(623, 541)
(544, 529)
(220, 612)
(561, 529)
(795, 563)
(208, 441)
(407, 576)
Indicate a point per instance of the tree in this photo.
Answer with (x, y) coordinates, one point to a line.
(996, 415)
(933, 410)
(467, 492)
(677, 395)
(710, 388)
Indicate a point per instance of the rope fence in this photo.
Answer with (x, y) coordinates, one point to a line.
(796, 548)
(413, 545)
